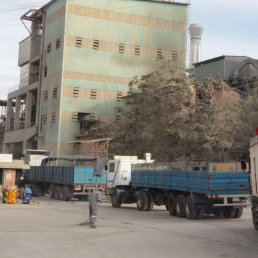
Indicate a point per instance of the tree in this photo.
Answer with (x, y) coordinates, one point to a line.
(175, 119)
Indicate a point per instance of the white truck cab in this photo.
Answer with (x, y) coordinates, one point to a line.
(119, 174)
(119, 169)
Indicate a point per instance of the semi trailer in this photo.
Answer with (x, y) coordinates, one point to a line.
(254, 179)
(68, 179)
(187, 189)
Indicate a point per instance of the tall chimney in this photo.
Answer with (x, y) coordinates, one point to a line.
(195, 31)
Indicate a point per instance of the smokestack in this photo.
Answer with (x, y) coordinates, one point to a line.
(195, 31)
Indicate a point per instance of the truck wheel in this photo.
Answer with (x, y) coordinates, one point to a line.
(68, 193)
(229, 212)
(190, 211)
(142, 201)
(171, 206)
(52, 191)
(218, 212)
(239, 213)
(116, 202)
(255, 219)
(180, 206)
(151, 202)
(57, 192)
(61, 193)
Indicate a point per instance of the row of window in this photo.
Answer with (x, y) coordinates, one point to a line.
(96, 46)
(45, 94)
(121, 49)
(50, 46)
(44, 118)
(75, 117)
(76, 93)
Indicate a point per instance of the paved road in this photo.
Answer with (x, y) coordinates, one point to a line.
(51, 229)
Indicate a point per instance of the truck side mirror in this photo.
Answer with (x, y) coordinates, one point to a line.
(100, 165)
(243, 165)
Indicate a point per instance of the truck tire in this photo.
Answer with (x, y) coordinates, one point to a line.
(218, 212)
(68, 193)
(255, 218)
(180, 206)
(190, 210)
(239, 213)
(142, 201)
(171, 206)
(116, 202)
(61, 193)
(57, 192)
(229, 212)
(52, 191)
(151, 202)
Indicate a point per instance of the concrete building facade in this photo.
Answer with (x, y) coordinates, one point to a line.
(78, 61)
(236, 71)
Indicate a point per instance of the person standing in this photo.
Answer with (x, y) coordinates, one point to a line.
(94, 200)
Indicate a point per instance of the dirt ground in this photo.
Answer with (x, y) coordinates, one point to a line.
(51, 229)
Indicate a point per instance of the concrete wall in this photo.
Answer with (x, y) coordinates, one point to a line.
(52, 69)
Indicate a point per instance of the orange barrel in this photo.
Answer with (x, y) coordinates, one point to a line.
(11, 197)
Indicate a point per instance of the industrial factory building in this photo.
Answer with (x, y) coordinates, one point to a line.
(78, 61)
(236, 71)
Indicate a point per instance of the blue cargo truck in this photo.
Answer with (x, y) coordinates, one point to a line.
(187, 189)
(65, 182)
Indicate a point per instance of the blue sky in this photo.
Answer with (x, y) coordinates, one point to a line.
(230, 28)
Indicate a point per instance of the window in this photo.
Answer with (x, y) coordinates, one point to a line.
(49, 46)
(44, 119)
(54, 93)
(76, 92)
(45, 71)
(137, 50)
(58, 43)
(96, 44)
(119, 96)
(78, 42)
(111, 167)
(174, 55)
(121, 48)
(75, 117)
(45, 95)
(53, 117)
(93, 94)
(159, 54)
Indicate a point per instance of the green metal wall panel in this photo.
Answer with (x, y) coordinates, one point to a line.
(107, 63)
(68, 131)
(49, 106)
(50, 132)
(96, 85)
(97, 106)
(55, 6)
(131, 34)
(152, 9)
(55, 30)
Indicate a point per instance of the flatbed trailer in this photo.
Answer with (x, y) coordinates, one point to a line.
(188, 189)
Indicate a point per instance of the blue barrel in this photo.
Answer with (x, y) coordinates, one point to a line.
(27, 195)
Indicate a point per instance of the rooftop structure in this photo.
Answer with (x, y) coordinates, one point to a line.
(237, 71)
